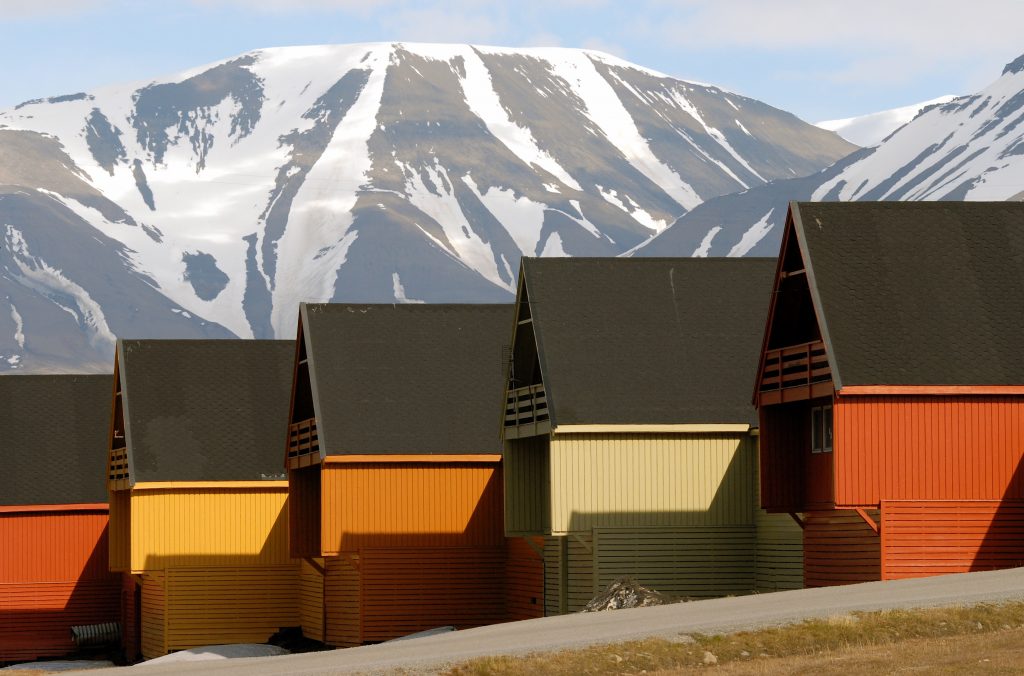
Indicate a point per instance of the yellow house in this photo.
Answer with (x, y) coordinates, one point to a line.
(630, 438)
(198, 499)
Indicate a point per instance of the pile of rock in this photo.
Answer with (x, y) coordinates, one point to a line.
(626, 592)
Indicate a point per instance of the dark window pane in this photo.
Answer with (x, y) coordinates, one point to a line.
(827, 424)
(816, 422)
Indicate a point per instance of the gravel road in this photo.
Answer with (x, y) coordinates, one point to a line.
(432, 653)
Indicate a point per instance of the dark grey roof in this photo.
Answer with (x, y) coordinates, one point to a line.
(415, 379)
(53, 438)
(917, 293)
(206, 410)
(649, 340)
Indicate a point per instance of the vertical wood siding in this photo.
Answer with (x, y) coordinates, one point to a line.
(342, 601)
(311, 600)
(410, 504)
(406, 591)
(120, 530)
(840, 548)
(206, 527)
(154, 615)
(524, 579)
(304, 512)
(922, 538)
(53, 574)
(785, 434)
(928, 448)
(208, 606)
(639, 480)
(526, 467)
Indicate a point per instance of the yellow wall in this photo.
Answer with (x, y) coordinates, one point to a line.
(208, 527)
(643, 480)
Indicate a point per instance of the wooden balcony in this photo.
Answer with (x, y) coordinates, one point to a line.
(117, 467)
(526, 412)
(795, 373)
(303, 444)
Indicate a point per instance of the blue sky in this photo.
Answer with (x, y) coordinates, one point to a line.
(820, 59)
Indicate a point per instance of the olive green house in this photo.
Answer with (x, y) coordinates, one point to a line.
(630, 440)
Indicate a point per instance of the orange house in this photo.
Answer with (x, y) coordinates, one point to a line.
(394, 473)
(891, 388)
(53, 513)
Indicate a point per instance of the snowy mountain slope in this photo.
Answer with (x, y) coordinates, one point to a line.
(221, 197)
(872, 129)
(971, 148)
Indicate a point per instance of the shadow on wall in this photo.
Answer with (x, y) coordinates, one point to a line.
(46, 587)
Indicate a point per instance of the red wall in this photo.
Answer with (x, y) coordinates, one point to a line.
(928, 448)
(792, 478)
(53, 574)
(840, 548)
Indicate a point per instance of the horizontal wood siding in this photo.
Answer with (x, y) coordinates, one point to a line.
(304, 512)
(643, 480)
(409, 590)
(131, 614)
(922, 538)
(209, 527)
(553, 575)
(785, 435)
(311, 600)
(840, 548)
(120, 531)
(581, 579)
(928, 448)
(154, 615)
(396, 504)
(524, 579)
(526, 466)
(780, 552)
(209, 606)
(36, 617)
(694, 562)
(342, 601)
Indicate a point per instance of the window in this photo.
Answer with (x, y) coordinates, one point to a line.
(821, 429)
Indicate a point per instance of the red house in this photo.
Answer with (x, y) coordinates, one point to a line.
(891, 388)
(53, 513)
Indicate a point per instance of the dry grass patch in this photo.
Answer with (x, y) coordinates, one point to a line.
(759, 651)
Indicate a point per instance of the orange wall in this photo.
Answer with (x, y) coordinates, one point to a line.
(391, 504)
(53, 574)
(938, 537)
(928, 448)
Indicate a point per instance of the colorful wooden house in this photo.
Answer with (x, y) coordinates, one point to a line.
(891, 388)
(53, 513)
(630, 442)
(395, 476)
(198, 499)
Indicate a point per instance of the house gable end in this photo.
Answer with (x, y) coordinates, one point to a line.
(527, 404)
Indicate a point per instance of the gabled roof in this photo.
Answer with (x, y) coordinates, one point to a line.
(205, 410)
(53, 438)
(917, 293)
(648, 340)
(407, 379)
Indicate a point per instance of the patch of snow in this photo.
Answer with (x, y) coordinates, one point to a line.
(752, 236)
(742, 128)
(19, 327)
(869, 130)
(521, 216)
(219, 652)
(687, 106)
(399, 290)
(553, 247)
(704, 249)
(49, 282)
(642, 217)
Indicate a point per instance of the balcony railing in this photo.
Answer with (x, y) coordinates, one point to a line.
(795, 366)
(117, 466)
(303, 443)
(527, 406)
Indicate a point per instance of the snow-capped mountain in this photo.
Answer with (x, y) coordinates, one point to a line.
(210, 203)
(871, 129)
(970, 148)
